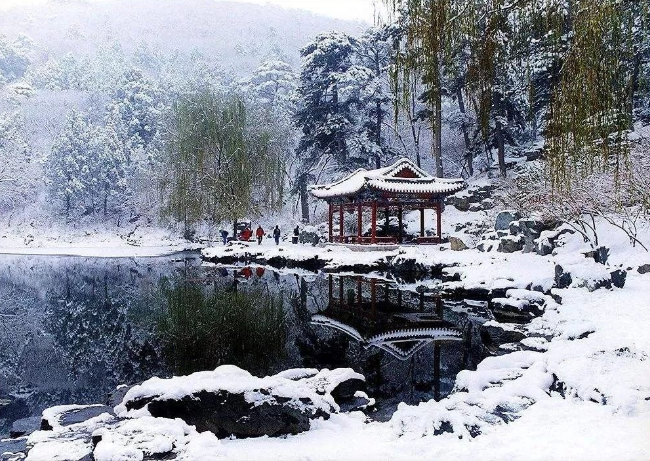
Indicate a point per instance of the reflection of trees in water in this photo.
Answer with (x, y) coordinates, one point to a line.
(93, 326)
(204, 329)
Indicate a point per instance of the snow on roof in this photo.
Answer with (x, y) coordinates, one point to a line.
(401, 177)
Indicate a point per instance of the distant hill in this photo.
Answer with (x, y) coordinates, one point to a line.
(237, 35)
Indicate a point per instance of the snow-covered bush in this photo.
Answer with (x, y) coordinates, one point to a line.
(622, 200)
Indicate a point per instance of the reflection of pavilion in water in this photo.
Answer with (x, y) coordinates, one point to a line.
(377, 314)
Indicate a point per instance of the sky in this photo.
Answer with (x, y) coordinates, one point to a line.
(362, 10)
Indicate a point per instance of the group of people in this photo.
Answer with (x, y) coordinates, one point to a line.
(246, 234)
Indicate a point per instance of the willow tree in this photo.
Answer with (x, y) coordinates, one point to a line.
(592, 106)
(221, 163)
(430, 36)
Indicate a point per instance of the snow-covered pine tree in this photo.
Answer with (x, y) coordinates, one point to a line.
(14, 60)
(273, 85)
(374, 53)
(137, 107)
(17, 180)
(325, 119)
(85, 167)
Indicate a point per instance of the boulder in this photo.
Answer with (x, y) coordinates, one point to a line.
(117, 395)
(462, 203)
(618, 278)
(644, 269)
(485, 246)
(457, 244)
(231, 402)
(562, 278)
(591, 276)
(487, 204)
(504, 219)
(67, 415)
(309, 236)
(513, 310)
(547, 240)
(25, 426)
(511, 244)
(600, 254)
(494, 334)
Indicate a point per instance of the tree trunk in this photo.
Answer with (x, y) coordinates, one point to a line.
(339, 141)
(304, 200)
(105, 199)
(378, 134)
(469, 159)
(437, 135)
(501, 152)
(634, 85)
(234, 228)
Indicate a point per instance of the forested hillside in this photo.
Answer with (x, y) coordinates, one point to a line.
(109, 118)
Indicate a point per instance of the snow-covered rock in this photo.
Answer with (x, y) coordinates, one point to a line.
(230, 401)
(504, 219)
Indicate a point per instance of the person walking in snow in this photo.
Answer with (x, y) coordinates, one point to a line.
(224, 236)
(296, 235)
(246, 235)
(259, 233)
(276, 235)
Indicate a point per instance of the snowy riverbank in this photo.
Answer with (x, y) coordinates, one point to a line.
(96, 243)
(577, 390)
(571, 384)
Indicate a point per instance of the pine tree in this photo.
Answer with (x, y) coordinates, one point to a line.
(86, 166)
(375, 54)
(325, 119)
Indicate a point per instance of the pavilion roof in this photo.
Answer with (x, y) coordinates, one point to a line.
(402, 177)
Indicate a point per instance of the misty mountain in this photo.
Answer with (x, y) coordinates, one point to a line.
(237, 36)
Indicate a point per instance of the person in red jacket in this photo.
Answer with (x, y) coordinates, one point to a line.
(245, 235)
(259, 233)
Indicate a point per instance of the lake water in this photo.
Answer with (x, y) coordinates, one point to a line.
(72, 329)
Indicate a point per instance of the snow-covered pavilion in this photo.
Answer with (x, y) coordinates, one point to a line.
(400, 186)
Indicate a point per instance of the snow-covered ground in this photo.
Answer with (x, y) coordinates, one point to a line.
(97, 242)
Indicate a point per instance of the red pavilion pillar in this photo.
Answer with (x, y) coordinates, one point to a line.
(359, 222)
(421, 222)
(439, 220)
(341, 218)
(331, 228)
(373, 238)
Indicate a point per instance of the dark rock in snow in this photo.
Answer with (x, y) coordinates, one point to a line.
(253, 407)
(25, 426)
(493, 335)
(644, 269)
(76, 415)
(226, 414)
(600, 254)
(546, 244)
(461, 203)
(515, 310)
(618, 278)
(562, 279)
(116, 397)
(511, 244)
(505, 218)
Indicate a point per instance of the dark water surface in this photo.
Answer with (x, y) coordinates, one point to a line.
(72, 329)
